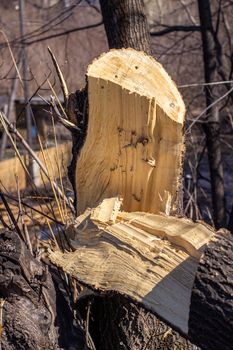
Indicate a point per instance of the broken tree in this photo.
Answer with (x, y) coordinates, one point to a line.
(135, 124)
(171, 266)
(142, 255)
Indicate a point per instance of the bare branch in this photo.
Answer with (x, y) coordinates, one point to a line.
(65, 122)
(60, 76)
(176, 28)
(90, 26)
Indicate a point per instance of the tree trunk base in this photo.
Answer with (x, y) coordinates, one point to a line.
(119, 324)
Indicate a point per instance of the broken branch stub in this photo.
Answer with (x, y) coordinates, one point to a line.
(134, 142)
(179, 270)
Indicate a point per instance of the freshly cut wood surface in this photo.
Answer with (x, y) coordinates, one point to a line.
(181, 232)
(150, 258)
(134, 142)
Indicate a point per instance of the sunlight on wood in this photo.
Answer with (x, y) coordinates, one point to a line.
(150, 258)
(134, 144)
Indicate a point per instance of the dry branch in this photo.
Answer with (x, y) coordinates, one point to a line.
(60, 76)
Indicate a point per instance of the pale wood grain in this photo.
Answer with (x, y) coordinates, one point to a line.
(150, 258)
(134, 142)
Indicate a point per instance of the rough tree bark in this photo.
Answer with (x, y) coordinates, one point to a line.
(212, 125)
(35, 314)
(126, 24)
(210, 320)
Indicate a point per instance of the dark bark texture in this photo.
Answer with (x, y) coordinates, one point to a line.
(35, 315)
(77, 112)
(119, 324)
(211, 317)
(212, 125)
(126, 24)
(230, 223)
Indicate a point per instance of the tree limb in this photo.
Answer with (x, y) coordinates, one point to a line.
(176, 28)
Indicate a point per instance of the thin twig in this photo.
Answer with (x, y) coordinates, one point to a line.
(58, 101)
(61, 78)
(207, 108)
(89, 340)
(9, 211)
(53, 235)
(34, 209)
(52, 182)
(24, 226)
(12, 56)
(5, 121)
(59, 168)
(2, 119)
(4, 223)
(206, 84)
(65, 122)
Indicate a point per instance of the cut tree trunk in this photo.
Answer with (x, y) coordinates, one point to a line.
(134, 149)
(134, 143)
(149, 257)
